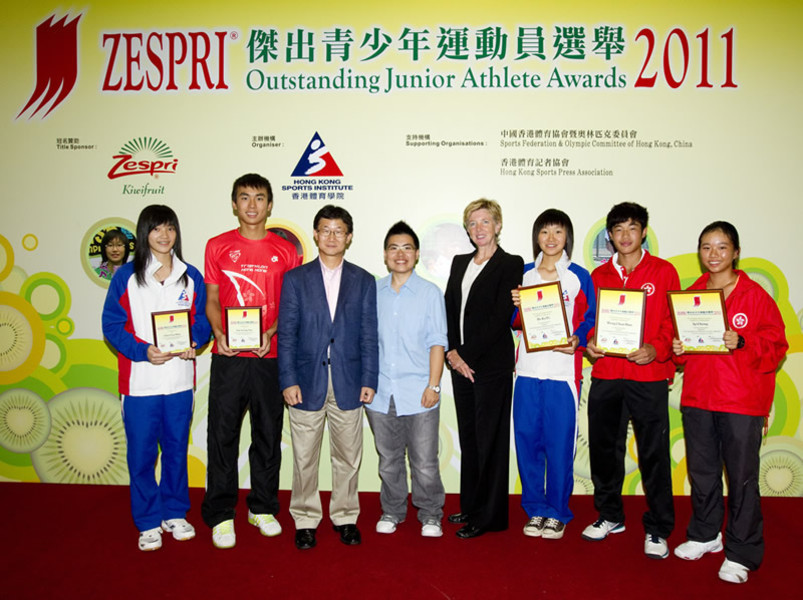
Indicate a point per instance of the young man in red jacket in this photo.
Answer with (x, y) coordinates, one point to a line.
(633, 387)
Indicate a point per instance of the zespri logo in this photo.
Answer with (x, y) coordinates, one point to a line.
(143, 156)
(56, 64)
(317, 161)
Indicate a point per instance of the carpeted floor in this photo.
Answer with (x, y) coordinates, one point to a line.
(67, 542)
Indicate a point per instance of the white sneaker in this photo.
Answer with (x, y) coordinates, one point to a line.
(733, 572)
(180, 529)
(223, 535)
(150, 539)
(386, 524)
(431, 528)
(268, 525)
(655, 547)
(535, 527)
(599, 529)
(690, 550)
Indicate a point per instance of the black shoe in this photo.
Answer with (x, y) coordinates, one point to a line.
(469, 531)
(458, 518)
(305, 539)
(349, 534)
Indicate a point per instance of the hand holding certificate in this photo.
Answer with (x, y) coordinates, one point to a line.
(619, 327)
(543, 317)
(699, 318)
(244, 327)
(171, 331)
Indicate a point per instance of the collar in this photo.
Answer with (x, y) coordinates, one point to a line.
(561, 266)
(620, 270)
(327, 271)
(411, 284)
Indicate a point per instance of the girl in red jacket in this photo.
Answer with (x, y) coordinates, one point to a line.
(725, 401)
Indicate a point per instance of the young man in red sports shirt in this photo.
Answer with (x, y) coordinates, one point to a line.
(634, 387)
(245, 267)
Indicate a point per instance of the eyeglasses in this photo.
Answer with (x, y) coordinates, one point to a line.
(326, 232)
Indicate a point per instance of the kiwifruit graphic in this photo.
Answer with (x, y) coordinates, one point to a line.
(22, 339)
(16, 338)
(582, 486)
(24, 420)
(87, 440)
(781, 470)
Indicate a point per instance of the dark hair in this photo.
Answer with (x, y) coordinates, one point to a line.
(726, 228)
(401, 228)
(624, 212)
(330, 211)
(251, 180)
(149, 219)
(114, 234)
(553, 216)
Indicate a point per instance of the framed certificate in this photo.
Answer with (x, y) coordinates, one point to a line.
(543, 317)
(620, 320)
(244, 327)
(171, 331)
(700, 320)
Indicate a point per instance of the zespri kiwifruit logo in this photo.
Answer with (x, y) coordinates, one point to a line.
(143, 156)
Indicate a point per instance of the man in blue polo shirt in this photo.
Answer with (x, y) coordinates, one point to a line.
(405, 413)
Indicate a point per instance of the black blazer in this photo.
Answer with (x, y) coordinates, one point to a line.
(488, 345)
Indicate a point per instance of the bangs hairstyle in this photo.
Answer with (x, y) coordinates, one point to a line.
(251, 180)
(149, 219)
(553, 216)
(624, 212)
(726, 228)
(108, 237)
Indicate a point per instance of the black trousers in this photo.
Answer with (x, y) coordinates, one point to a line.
(483, 423)
(714, 438)
(611, 404)
(238, 384)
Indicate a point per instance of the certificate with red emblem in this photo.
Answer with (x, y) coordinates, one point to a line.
(244, 327)
(171, 331)
(543, 317)
(700, 320)
(619, 327)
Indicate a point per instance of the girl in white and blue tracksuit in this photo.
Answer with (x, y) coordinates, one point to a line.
(156, 387)
(547, 389)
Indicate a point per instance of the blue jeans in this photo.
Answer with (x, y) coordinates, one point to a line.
(417, 436)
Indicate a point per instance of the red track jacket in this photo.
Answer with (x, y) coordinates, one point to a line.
(656, 276)
(742, 382)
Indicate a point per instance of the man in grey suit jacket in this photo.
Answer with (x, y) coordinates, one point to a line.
(328, 368)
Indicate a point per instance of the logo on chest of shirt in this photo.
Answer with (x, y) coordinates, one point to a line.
(274, 259)
(649, 288)
(234, 255)
(183, 299)
(739, 320)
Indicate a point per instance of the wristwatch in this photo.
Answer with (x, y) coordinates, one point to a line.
(435, 388)
(740, 344)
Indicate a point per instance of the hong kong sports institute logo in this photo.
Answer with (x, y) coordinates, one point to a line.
(317, 161)
(56, 64)
(143, 156)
